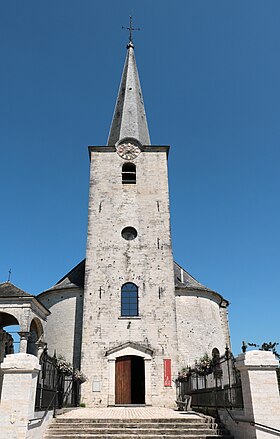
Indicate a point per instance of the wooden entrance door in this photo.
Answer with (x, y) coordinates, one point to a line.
(123, 380)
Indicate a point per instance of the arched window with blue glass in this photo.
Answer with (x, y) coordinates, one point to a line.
(129, 300)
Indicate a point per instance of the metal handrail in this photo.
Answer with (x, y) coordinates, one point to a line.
(40, 419)
(65, 395)
(67, 391)
(252, 423)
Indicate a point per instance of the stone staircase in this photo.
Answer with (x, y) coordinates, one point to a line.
(181, 428)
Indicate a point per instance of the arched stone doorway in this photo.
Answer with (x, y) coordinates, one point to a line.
(130, 380)
(130, 367)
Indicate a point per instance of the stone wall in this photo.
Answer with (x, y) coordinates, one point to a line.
(63, 331)
(111, 261)
(199, 326)
(20, 373)
(260, 395)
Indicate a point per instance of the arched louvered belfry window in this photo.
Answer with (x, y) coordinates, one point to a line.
(129, 173)
(129, 300)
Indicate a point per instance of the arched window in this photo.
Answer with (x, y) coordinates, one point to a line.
(216, 354)
(217, 368)
(129, 173)
(129, 300)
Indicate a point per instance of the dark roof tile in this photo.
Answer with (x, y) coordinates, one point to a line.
(7, 289)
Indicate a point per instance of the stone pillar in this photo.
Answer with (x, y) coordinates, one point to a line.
(40, 346)
(20, 372)
(112, 375)
(260, 392)
(148, 385)
(2, 344)
(23, 341)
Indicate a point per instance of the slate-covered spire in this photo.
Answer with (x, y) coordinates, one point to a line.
(129, 118)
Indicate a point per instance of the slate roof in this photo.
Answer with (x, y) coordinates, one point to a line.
(75, 278)
(7, 289)
(184, 279)
(129, 118)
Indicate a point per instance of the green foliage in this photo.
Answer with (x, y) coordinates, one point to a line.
(65, 368)
(203, 366)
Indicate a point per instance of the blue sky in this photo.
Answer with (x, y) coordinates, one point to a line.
(210, 77)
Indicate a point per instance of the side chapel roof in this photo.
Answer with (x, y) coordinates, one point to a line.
(75, 279)
(185, 282)
(184, 279)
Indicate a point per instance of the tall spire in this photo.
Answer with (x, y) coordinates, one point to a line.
(129, 118)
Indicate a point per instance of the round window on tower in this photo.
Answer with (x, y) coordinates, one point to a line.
(129, 233)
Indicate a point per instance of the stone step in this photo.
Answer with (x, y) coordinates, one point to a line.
(184, 420)
(171, 428)
(122, 425)
(135, 431)
(139, 436)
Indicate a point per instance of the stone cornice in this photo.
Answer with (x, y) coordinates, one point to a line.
(31, 302)
(201, 292)
(149, 148)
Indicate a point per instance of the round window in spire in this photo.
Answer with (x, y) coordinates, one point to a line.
(129, 233)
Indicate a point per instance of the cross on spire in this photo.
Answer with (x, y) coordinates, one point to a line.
(130, 28)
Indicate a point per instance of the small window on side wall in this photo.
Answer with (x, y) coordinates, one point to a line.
(216, 357)
(129, 173)
(215, 353)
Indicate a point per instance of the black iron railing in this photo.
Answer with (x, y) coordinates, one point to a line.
(54, 389)
(217, 385)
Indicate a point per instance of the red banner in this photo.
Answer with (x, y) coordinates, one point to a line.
(167, 372)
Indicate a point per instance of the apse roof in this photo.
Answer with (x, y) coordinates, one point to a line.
(75, 278)
(184, 279)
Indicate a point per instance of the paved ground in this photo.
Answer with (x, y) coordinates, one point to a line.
(128, 413)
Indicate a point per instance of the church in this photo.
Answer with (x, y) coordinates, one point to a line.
(128, 316)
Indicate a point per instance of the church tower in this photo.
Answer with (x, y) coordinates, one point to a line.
(129, 341)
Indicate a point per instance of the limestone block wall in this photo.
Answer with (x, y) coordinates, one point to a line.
(225, 323)
(199, 326)
(261, 413)
(63, 330)
(111, 261)
(20, 373)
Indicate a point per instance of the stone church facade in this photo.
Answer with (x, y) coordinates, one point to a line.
(128, 315)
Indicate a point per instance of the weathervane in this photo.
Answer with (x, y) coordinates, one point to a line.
(130, 28)
(9, 276)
